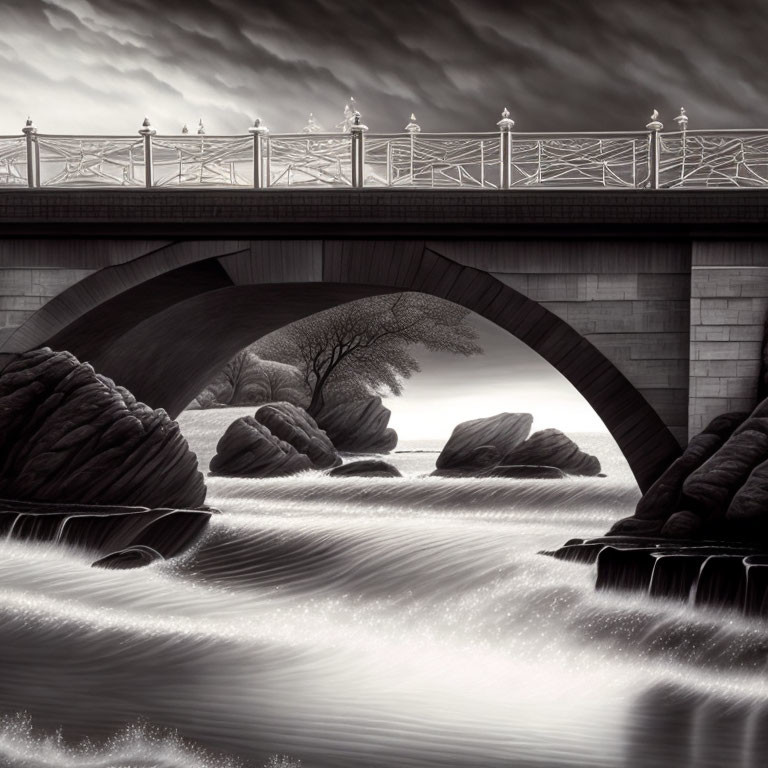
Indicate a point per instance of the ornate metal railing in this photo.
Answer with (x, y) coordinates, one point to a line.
(503, 159)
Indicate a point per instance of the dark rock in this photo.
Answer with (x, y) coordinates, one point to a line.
(293, 425)
(663, 497)
(550, 447)
(708, 491)
(359, 426)
(70, 435)
(683, 525)
(132, 557)
(748, 511)
(524, 472)
(469, 442)
(633, 526)
(249, 449)
(368, 468)
(726, 424)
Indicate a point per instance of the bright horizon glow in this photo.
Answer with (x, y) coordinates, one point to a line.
(508, 377)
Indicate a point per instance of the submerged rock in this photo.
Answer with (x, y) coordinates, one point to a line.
(552, 448)
(249, 449)
(480, 443)
(132, 557)
(296, 427)
(69, 435)
(359, 426)
(366, 468)
(525, 472)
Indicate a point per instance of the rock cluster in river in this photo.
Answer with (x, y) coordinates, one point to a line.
(68, 434)
(718, 488)
(359, 426)
(500, 446)
(280, 439)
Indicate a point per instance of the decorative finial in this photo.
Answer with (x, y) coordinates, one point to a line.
(655, 124)
(184, 129)
(357, 126)
(28, 126)
(413, 126)
(258, 127)
(506, 123)
(682, 120)
(349, 116)
(146, 128)
(200, 128)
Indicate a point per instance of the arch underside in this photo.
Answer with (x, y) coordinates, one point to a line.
(164, 324)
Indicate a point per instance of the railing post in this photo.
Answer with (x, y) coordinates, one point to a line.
(506, 124)
(33, 159)
(654, 127)
(413, 128)
(147, 131)
(682, 124)
(357, 131)
(258, 131)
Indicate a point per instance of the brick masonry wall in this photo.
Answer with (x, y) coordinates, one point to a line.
(729, 302)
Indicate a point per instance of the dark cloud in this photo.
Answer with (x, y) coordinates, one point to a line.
(557, 64)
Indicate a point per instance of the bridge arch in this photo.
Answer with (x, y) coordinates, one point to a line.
(163, 323)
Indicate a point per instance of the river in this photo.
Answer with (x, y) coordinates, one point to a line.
(353, 623)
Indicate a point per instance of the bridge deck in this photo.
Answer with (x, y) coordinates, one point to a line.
(381, 213)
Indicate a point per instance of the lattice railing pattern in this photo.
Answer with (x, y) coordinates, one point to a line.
(309, 160)
(13, 161)
(88, 161)
(201, 160)
(712, 159)
(609, 160)
(433, 160)
(504, 159)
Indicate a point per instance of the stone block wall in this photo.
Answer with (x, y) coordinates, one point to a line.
(729, 303)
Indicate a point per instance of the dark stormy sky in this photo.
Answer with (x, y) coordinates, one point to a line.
(100, 65)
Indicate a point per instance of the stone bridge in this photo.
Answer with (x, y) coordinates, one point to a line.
(650, 303)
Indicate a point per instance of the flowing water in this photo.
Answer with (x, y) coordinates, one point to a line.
(351, 622)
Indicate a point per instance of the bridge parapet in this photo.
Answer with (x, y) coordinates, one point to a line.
(502, 159)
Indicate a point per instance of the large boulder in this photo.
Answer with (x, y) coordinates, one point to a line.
(552, 448)
(663, 498)
(249, 449)
(748, 511)
(366, 468)
(296, 427)
(708, 490)
(69, 435)
(359, 426)
(480, 443)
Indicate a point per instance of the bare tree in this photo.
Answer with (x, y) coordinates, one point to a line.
(364, 347)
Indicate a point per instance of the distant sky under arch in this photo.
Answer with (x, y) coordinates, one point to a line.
(507, 377)
(98, 66)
